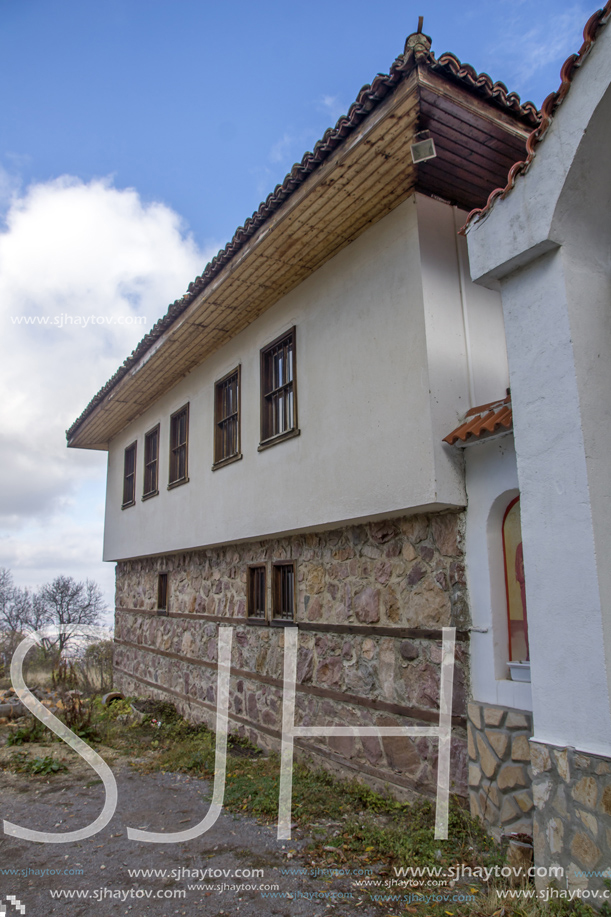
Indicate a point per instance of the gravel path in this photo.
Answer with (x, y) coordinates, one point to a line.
(246, 860)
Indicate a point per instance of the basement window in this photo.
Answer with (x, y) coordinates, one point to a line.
(227, 419)
(129, 477)
(151, 463)
(279, 390)
(179, 441)
(257, 593)
(162, 594)
(283, 592)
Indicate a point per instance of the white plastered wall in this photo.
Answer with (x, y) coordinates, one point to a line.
(366, 447)
(492, 482)
(548, 246)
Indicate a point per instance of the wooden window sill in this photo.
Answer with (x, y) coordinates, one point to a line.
(174, 484)
(227, 461)
(289, 434)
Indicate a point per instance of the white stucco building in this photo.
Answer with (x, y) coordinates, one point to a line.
(546, 246)
(285, 449)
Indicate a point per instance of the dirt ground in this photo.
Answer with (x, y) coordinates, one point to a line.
(249, 867)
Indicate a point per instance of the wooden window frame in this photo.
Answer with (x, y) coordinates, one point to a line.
(253, 618)
(221, 460)
(277, 597)
(131, 475)
(267, 391)
(148, 463)
(174, 448)
(162, 593)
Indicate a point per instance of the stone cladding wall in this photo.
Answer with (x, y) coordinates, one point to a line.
(500, 791)
(371, 601)
(572, 824)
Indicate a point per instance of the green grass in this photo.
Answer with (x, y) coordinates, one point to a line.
(21, 762)
(349, 824)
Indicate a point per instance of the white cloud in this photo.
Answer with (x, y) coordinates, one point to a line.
(333, 106)
(77, 249)
(531, 43)
(281, 149)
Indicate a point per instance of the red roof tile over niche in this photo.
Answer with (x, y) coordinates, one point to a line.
(483, 422)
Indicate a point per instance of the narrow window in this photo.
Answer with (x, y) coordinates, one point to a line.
(179, 438)
(514, 583)
(162, 592)
(257, 592)
(151, 463)
(129, 476)
(227, 419)
(279, 390)
(284, 591)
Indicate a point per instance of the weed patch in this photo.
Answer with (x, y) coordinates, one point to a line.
(21, 762)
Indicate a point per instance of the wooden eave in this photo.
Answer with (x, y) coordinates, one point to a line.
(369, 175)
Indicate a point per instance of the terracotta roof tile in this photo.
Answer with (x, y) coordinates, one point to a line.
(482, 422)
(548, 109)
(417, 53)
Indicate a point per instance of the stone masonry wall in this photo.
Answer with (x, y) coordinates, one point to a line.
(371, 601)
(500, 791)
(572, 824)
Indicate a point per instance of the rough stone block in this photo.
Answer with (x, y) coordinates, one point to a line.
(524, 799)
(511, 775)
(475, 774)
(367, 605)
(555, 835)
(489, 811)
(471, 742)
(372, 749)
(488, 760)
(409, 650)
(492, 792)
(589, 821)
(539, 758)
(520, 748)
(575, 877)
(509, 810)
(342, 745)
(562, 763)
(475, 715)
(493, 716)
(605, 802)
(583, 762)
(499, 742)
(401, 754)
(585, 850)
(560, 801)
(585, 791)
(445, 533)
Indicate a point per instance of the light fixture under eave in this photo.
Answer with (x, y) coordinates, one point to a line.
(423, 147)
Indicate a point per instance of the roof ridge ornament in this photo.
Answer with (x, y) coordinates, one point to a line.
(418, 45)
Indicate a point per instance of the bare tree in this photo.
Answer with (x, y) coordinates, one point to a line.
(16, 612)
(66, 603)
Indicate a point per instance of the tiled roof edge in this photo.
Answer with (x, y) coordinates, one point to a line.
(369, 97)
(548, 109)
(481, 420)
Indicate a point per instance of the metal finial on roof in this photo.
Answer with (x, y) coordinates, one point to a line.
(420, 24)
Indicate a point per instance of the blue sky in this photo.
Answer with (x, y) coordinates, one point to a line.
(135, 136)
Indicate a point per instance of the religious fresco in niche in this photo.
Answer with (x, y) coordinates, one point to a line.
(514, 582)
